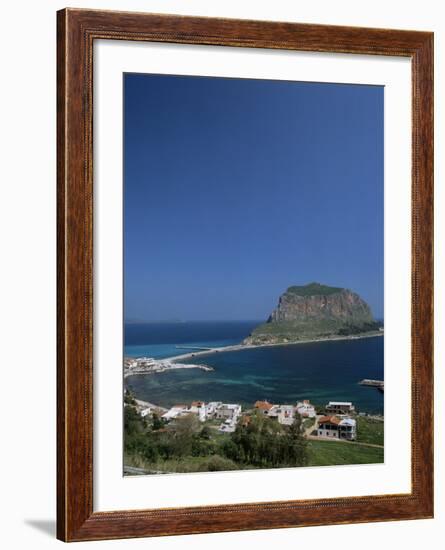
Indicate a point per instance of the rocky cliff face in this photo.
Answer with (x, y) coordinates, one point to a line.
(314, 304)
(313, 311)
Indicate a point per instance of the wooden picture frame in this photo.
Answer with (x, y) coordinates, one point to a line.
(77, 31)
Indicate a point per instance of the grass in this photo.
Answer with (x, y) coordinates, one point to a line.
(330, 453)
(369, 430)
(320, 453)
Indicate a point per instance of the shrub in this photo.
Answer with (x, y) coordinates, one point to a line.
(218, 463)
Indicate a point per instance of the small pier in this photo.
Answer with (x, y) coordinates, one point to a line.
(379, 384)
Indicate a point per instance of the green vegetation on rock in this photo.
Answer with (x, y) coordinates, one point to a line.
(313, 289)
(315, 311)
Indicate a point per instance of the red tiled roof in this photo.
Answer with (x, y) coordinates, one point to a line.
(263, 405)
(330, 419)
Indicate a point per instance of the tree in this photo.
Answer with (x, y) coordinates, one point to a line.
(181, 431)
(156, 423)
(129, 398)
(266, 443)
(132, 421)
(205, 433)
(296, 444)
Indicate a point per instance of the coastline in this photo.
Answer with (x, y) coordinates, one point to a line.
(141, 404)
(167, 365)
(141, 394)
(241, 347)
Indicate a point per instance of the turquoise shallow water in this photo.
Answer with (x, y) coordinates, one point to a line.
(161, 351)
(160, 340)
(321, 372)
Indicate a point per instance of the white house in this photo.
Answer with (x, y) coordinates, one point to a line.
(348, 428)
(173, 412)
(283, 413)
(263, 406)
(340, 407)
(229, 426)
(228, 411)
(305, 409)
(211, 408)
(198, 408)
(337, 428)
(145, 412)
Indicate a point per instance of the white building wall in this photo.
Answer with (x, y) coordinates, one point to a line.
(328, 433)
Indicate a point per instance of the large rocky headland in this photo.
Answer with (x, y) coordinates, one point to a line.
(315, 311)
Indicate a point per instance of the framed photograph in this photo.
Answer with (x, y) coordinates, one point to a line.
(245, 229)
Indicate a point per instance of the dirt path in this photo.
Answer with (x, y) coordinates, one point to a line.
(309, 430)
(361, 443)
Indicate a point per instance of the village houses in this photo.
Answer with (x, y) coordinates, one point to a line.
(175, 411)
(337, 428)
(228, 411)
(263, 406)
(305, 409)
(285, 414)
(337, 424)
(198, 408)
(214, 409)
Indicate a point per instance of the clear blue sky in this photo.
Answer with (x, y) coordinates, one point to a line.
(236, 189)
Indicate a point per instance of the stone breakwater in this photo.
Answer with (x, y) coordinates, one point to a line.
(245, 346)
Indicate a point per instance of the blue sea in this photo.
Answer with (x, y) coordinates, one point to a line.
(319, 371)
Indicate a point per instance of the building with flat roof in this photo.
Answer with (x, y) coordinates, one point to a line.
(340, 407)
(228, 411)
